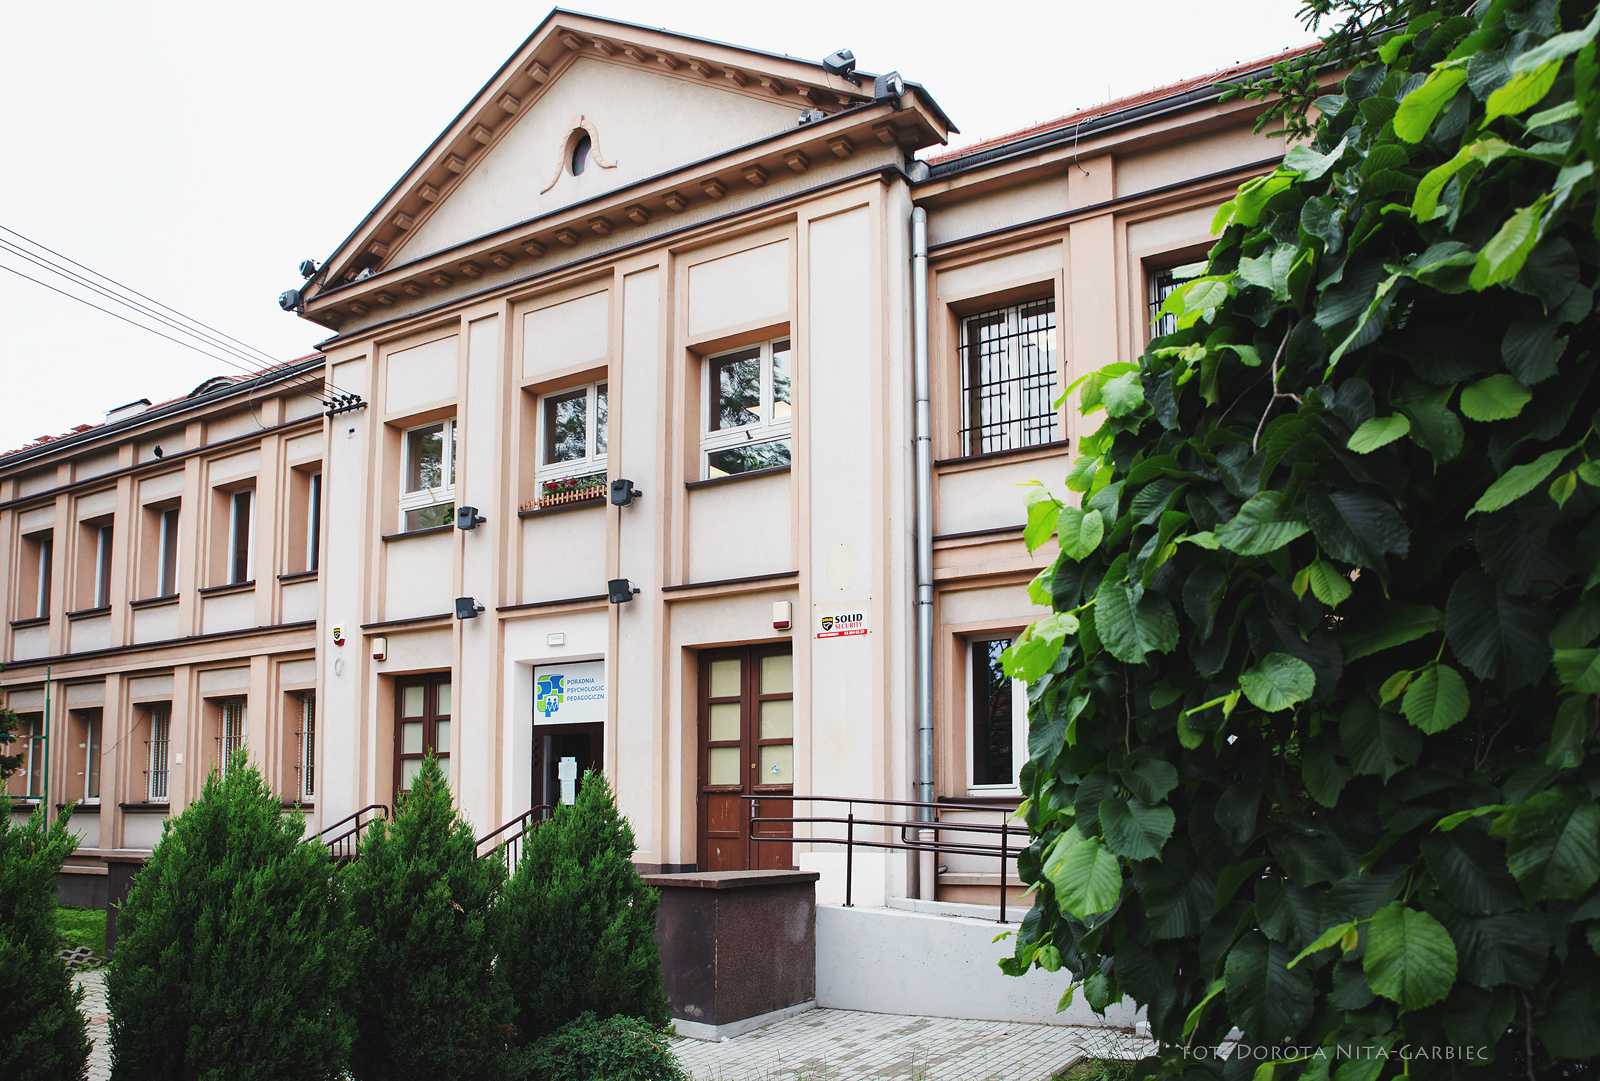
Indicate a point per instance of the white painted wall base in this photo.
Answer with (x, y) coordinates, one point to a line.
(885, 960)
(696, 1030)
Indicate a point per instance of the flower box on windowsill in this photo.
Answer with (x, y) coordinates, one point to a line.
(569, 490)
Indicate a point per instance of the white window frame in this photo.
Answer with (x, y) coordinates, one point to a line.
(46, 555)
(33, 766)
(236, 574)
(1019, 723)
(314, 521)
(1017, 430)
(158, 754)
(771, 427)
(424, 498)
(594, 458)
(306, 753)
(93, 739)
(167, 553)
(231, 726)
(103, 540)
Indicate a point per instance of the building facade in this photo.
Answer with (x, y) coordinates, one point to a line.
(625, 472)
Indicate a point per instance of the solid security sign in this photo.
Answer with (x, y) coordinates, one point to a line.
(569, 693)
(841, 623)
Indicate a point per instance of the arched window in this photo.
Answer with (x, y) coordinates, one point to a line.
(582, 146)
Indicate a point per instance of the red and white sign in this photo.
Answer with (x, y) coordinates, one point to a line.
(842, 623)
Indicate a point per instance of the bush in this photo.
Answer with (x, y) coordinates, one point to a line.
(1313, 724)
(429, 1004)
(617, 1049)
(579, 923)
(231, 960)
(41, 1031)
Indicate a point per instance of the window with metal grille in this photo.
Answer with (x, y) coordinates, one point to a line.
(1008, 377)
(231, 728)
(156, 772)
(1161, 284)
(308, 746)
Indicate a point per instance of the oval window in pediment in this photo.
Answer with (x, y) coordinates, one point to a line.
(580, 148)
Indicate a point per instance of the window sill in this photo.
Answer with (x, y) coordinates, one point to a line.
(231, 587)
(89, 613)
(983, 799)
(32, 621)
(428, 532)
(298, 576)
(144, 808)
(993, 457)
(293, 805)
(24, 802)
(154, 602)
(582, 504)
(710, 482)
(87, 803)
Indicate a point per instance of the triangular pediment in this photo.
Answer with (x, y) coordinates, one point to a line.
(650, 102)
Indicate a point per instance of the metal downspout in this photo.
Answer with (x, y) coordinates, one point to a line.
(924, 507)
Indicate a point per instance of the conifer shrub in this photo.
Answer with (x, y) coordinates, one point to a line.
(232, 959)
(579, 933)
(618, 1049)
(429, 1003)
(41, 1031)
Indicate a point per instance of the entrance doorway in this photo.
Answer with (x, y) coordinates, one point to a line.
(562, 753)
(746, 749)
(422, 724)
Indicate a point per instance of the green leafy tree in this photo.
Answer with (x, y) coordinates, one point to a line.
(41, 1031)
(1313, 722)
(9, 722)
(231, 958)
(579, 932)
(430, 1003)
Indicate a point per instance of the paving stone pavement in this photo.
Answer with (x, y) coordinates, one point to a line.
(94, 1012)
(847, 1045)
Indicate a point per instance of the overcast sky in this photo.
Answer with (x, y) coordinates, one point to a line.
(197, 150)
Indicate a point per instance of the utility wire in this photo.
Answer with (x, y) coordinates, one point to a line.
(209, 338)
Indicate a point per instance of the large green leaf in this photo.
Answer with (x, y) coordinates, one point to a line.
(1042, 514)
(1525, 90)
(1264, 524)
(1470, 867)
(1085, 874)
(1278, 682)
(1553, 844)
(1518, 481)
(1410, 958)
(1579, 670)
(1498, 397)
(1132, 629)
(1123, 395)
(1357, 527)
(1080, 532)
(1507, 251)
(1386, 627)
(1151, 779)
(1379, 432)
(1436, 700)
(1511, 947)
(1036, 649)
(1266, 998)
(1133, 828)
(1419, 108)
(1496, 634)
(1327, 584)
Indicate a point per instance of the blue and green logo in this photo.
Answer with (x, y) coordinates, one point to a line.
(548, 694)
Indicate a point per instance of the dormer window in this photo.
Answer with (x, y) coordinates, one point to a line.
(582, 147)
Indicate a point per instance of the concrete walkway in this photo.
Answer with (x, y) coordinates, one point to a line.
(93, 1007)
(847, 1045)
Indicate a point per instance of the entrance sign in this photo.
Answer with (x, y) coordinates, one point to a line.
(569, 693)
(842, 622)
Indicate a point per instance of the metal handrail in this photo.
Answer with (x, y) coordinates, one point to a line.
(346, 845)
(906, 842)
(524, 824)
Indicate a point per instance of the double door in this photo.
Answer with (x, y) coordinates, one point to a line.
(746, 750)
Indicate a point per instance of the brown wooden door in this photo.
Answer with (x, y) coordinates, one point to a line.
(421, 724)
(746, 749)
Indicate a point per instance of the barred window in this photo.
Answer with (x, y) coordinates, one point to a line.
(308, 746)
(231, 730)
(1162, 283)
(1008, 377)
(156, 772)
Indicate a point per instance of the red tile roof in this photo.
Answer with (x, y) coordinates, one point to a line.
(1120, 104)
(81, 428)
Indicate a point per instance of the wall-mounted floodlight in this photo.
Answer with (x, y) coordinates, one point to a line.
(467, 608)
(308, 267)
(619, 591)
(889, 86)
(842, 64)
(289, 299)
(811, 116)
(623, 493)
(468, 518)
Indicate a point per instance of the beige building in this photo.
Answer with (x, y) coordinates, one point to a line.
(688, 389)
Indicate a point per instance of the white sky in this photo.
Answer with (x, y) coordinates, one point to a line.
(197, 150)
